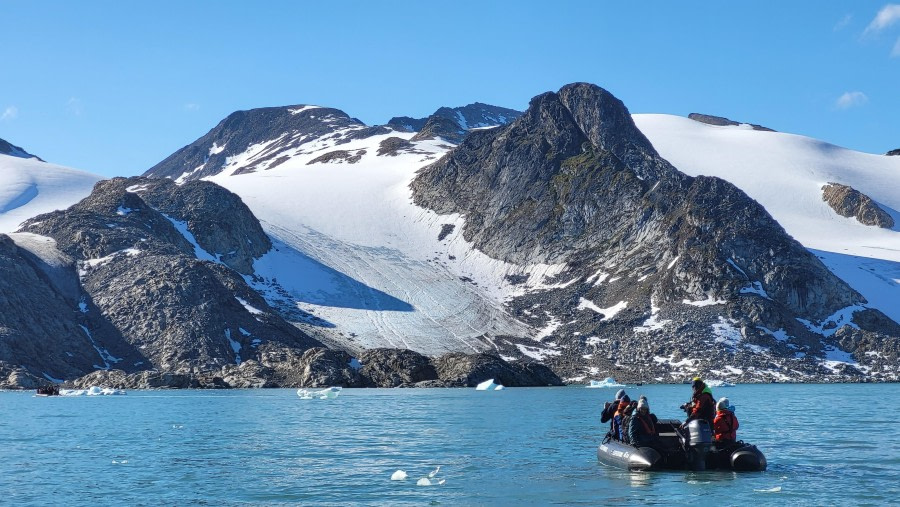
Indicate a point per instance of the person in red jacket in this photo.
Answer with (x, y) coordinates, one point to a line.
(702, 404)
(725, 424)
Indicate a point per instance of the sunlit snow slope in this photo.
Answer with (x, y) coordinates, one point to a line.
(29, 187)
(353, 250)
(785, 173)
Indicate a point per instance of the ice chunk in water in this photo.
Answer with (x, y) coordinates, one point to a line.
(488, 385)
(324, 394)
(399, 475)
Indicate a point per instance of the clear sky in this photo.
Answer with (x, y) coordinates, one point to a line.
(113, 87)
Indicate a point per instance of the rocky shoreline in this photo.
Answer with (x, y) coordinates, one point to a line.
(317, 367)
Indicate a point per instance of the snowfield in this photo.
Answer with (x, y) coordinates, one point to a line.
(785, 173)
(354, 251)
(29, 187)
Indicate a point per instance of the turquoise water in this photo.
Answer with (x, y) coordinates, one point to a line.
(826, 444)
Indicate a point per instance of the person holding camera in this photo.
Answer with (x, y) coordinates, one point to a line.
(702, 404)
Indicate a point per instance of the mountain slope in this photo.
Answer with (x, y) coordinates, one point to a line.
(574, 181)
(472, 116)
(562, 236)
(786, 173)
(29, 187)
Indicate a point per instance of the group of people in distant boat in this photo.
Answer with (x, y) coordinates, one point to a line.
(50, 390)
(633, 423)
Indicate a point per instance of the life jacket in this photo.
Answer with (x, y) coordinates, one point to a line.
(725, 426)
(647, 423)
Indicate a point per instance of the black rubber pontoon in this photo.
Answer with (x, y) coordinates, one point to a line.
(676, 449)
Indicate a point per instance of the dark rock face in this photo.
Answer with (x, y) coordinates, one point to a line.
(722, 122)
(472, 116)
(320, 367)
(395, 367)
(849, 202)
(338, 156)
(443, 128)
(656, 263)
(14, 151)
(151, 289)
(472, 369)
(893, 152)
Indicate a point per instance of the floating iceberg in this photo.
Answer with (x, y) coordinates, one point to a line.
(607, 382)
(718, 383)
(489, 385)
(399, 475)
(324, 394)
(92, 391)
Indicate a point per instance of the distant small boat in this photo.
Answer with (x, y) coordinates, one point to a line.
(51, 390)
(607, 382)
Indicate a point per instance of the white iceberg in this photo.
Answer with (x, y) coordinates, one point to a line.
(719, 383)
(399, 475)
(329, 393)
(489, 385)
(92, 391)
(607, 382)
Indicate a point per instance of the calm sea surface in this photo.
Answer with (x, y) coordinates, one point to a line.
(826, 445)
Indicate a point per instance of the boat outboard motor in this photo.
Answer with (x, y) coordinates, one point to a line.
(698, 444)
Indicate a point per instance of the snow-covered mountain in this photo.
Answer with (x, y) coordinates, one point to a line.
(786, 173)
(30, 186)
(472, 116)
(352, 249)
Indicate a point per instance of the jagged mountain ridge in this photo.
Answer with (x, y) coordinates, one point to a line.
(473, 116)
(264, 138)
(574, 181)
(305, 185)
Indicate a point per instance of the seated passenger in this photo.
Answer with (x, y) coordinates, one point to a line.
(725, 424)
(609, 410)
(642, 431)
(617, 417)
(626, 420)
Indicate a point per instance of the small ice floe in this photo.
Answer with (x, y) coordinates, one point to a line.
(488, 385)
(399, 475)
(323, 394)
(92, 391)
(430, 480)
(607, 382)
(123, 462)
(776, 489)
(719, 383)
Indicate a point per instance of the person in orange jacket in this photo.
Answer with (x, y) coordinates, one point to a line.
(725, 424)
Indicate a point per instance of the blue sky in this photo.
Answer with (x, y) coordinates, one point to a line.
(114, 87)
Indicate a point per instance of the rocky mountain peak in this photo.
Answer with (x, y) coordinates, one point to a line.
(646, 248)
(265, 136)
(893, 152)
(12, 150)
(473, 116)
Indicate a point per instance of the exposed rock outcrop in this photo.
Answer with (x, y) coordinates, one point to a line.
(849, 202)
(155, 268)
(443, 128)
(472, 116)
(12, 150)
(893, 153)
(723, 122)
